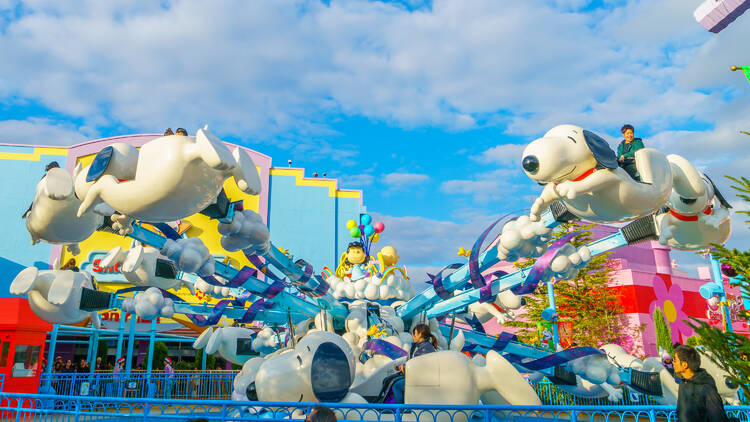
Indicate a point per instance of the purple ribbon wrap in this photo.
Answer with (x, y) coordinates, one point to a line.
(534, 277)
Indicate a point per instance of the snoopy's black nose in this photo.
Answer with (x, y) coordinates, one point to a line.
(530, 163)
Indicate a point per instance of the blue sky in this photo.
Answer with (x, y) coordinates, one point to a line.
(425, 106)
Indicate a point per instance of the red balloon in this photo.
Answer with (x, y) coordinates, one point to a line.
(379, 227)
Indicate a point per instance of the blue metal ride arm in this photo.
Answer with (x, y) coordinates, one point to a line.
(457, 279)
(294, 272)
(284, 300)
(635, 232)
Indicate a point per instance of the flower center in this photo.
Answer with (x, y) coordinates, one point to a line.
(670, 312)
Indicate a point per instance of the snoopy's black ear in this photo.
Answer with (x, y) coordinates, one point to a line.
(601, 150)
(100, 164)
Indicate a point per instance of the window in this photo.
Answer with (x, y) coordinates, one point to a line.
(4, 354)
(25, 361)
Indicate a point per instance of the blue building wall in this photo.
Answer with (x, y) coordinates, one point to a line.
(308, 217)
(22, 168)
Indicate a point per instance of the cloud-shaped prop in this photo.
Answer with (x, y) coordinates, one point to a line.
(190, 255)
(266, 341)
(246, 232)
(149, 305)
(393, 286)
(523, 238)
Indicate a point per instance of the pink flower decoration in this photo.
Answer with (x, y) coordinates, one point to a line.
(671, 301)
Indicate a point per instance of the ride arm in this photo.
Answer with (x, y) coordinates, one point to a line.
(637, 231)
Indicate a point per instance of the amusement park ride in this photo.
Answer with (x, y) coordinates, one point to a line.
(346, 331)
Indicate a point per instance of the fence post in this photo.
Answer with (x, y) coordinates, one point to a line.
(651, 415)
(120, 334)
(51, 354)
(151, 336)
(18, 411)
(131, 343)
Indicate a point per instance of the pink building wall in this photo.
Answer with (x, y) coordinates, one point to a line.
(644, 277)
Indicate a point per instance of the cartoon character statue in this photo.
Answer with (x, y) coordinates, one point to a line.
(170, 178)
(53, 218)
(697, 214)
(578, 168)
(55, 295)
(353, 262)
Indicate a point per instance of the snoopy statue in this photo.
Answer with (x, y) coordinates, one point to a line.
(55, 295)
(53, 216)
(578, 168)
(170, 178)
(697, 215)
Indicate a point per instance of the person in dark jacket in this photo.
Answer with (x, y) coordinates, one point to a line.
(626, 151)
(424, 342)
(697, 398)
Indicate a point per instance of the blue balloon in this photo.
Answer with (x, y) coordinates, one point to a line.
(369, 230)
(365, 219)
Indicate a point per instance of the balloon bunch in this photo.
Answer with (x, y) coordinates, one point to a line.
(366, 232)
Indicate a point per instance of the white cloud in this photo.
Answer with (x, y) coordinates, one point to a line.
(402, 180)
(507, 154)
(36, 131)
(534, 63)
(355, 181)
(484, 187)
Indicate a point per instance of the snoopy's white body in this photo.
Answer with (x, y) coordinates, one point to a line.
(452, 377)
(223, 340)
(53, 217)
(697, 219)
(54, 295)
(173, 177)
(139, 268)
(607, 194)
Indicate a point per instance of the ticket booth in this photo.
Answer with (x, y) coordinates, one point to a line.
(22, 346)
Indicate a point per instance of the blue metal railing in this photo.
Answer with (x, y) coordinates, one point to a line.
(218, 386)
(179, 385)
(26, 407)
(552, 395)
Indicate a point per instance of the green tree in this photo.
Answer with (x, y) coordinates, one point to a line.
(731, 351)
(210, 360)
(663, 332)
(160, 352)
(102, 350)
(595, 310)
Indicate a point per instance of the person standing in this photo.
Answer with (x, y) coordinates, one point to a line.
(118, 376)
(626, 151)
(697, 397)
(169, 376)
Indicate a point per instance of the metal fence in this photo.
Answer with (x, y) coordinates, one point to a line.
(218, 386)
(552, 395)
(179, 385)
(27, 408)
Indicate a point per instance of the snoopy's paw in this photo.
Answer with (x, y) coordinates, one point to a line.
(213, 151)
(537, 208)
(615, 395)
(58, 184)
(122, 224)
(74, 249)
(567, 189)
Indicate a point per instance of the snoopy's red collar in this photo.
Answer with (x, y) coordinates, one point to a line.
(683, 217)
(583, 176)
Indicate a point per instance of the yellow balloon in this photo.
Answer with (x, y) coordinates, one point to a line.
(375, 237)
(351, 224)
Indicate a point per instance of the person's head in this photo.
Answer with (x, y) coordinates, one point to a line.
(422, 332)
(99, 359)
(167, 361)
(320, 414)
(68, 362)
(355, 254)
(628, 132)
(181, 132)
(686, 361)
(168, 132)
(121, 362)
